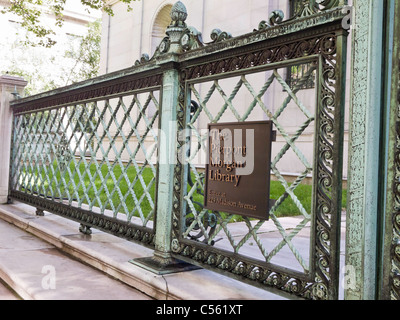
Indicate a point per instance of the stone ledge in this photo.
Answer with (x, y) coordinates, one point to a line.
(111, 255)
(12, 81)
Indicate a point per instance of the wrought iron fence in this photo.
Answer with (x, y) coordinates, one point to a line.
(217, 84)
(94, 152)
(93, 159)
(226, 112)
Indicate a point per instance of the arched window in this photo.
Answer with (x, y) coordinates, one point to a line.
(161, 22)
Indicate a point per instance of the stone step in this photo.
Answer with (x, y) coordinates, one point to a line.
(6, 293)
(37, 270)
(49, 251)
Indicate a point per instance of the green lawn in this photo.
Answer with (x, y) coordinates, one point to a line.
(103, 185)
(104, 190)
(303, 193)
(287, 208)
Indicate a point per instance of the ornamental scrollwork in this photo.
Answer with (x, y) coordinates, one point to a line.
(89, 91)
(310, 7)
(275, 18)
(306, 9)
(144, 58)
(218, 35)
(89, 219)
(321, 286)
(253, 272)
(191, 39)
(290, 50)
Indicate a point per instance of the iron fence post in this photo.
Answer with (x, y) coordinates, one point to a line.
(363, 185)
(166, 167)
(162, 261)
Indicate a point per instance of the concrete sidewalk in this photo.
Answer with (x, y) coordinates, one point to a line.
(7, 293)
(45, 258)
(37, 270)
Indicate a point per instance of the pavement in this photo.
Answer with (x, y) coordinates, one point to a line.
(47, 258)
(36, 270)
(6, 293)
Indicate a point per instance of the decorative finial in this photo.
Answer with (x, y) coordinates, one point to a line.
(178, 34)
(179, 13)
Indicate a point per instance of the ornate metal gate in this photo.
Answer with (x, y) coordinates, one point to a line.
(69, 143)
(67, 149)
(314, 37)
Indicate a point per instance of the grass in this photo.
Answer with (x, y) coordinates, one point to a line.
(287, 208)
(107, 190)
(303, 193)
(103, 185)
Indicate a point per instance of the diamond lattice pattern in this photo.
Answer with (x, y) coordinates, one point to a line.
(291, 118)
(99, 155)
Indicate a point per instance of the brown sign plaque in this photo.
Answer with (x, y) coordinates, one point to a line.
(238, 168)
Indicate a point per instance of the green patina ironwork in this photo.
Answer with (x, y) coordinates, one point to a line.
(63, 139)
(196, 230)
(290, 143)
(68, 159)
